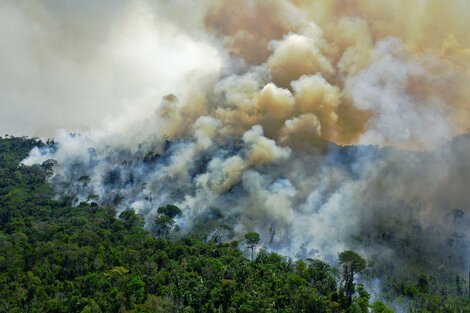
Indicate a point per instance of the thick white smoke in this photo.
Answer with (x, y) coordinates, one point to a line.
(400, 118)
(69, 64)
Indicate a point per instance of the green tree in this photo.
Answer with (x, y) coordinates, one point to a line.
(169, 210)
(319, 275)
(361, 302)
(379, 307)
(252, 240)
(352, 264)
(130, 219)
(423, 283)
(164, 221)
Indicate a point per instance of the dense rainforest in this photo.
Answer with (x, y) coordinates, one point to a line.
(56, 257)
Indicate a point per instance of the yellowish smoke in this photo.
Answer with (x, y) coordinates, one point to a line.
(314, 52)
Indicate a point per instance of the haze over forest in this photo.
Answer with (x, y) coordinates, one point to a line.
(323, 126)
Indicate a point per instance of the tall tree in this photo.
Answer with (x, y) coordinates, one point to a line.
(252, 240)
(164, 221)
(352, 264)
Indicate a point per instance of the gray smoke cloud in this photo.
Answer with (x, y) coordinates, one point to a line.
(73, 65)
(321, 128)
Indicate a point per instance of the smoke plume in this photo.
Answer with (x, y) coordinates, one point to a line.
(323, 125)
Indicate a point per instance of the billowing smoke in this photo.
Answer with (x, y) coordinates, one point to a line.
(69, 64)
(323, 125)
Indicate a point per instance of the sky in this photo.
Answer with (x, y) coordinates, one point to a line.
(73, 64)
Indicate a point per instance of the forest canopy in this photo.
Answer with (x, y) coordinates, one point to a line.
(56, 257)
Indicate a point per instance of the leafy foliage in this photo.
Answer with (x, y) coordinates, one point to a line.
(164, 221)
(252, 240)
(55, 257)
(352, 264)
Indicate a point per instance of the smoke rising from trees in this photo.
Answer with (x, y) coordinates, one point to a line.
(268, 128)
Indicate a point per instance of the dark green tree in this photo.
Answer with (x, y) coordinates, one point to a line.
(252, 240)
(423, 283)
(352, 264)
(130, 218)
(169, 210)
(164, 221)
(379, 307)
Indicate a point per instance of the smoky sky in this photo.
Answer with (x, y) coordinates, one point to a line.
(73, 64)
